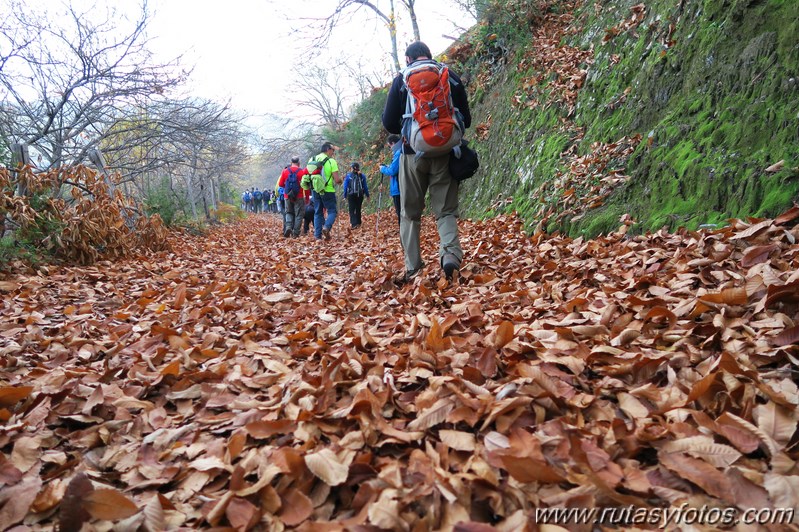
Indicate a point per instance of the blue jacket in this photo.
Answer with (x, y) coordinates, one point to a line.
(392, 170)
(350, 177)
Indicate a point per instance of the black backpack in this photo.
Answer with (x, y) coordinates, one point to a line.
(356, 185)
(292, 185)
(258, 195)
(466, 165)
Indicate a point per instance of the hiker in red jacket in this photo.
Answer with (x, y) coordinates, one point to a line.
(293, 197)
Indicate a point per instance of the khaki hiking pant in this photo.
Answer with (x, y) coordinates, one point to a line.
(416, 177)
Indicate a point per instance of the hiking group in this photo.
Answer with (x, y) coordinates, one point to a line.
(426, 114)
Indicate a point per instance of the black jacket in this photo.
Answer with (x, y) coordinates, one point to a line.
(397, 98)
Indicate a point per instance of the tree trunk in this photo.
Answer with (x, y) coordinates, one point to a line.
(410, 4)
(190, 193)
(392, 28)
(212, 190)
(205, 202)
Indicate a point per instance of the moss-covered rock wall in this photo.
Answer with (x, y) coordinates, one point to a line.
(676, 112)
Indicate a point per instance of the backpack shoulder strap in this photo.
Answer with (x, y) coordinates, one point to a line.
(322, 171)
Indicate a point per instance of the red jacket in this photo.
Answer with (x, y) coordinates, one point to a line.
(285, 175)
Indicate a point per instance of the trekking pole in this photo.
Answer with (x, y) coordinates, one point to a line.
(379, 204)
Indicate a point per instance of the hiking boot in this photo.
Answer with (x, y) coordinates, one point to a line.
(450, 264)
(326, 233)
(407, 277)
(286, 233)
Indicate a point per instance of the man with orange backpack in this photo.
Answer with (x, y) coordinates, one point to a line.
(427, 104)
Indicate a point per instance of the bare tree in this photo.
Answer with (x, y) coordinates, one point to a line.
(410, 5)
(69, 76)
(345, 10)
(326, 95)
(199, 143)
(475, 8)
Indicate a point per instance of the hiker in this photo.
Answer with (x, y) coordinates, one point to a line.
(392, 170)
(247, 197)
(325, 175)
(429, 168)
(294, 199)
(257, 200)
(280, 200)
(355, 189)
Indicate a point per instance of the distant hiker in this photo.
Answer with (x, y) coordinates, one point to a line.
(257, 200)
(294, 199)
(392, 170)
(322, 179)
(355, 189)
(432, 133)
(281, 200)
(247, 200)
(244, 200)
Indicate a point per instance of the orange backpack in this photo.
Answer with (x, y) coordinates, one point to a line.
(432, 126)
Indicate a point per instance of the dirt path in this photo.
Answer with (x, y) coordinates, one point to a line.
(246, 380)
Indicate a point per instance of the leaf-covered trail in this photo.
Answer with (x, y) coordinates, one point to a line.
(250, 381)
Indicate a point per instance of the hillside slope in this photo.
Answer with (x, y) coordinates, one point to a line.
(710, 86)
(676, 113)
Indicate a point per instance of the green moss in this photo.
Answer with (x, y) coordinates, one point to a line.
(778, 197)
(709, 80)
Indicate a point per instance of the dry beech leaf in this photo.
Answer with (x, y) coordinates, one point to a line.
(458, 440)
(789, 215)
(18, 500)
(777, 422)
(265, 429)
(435, 339)
(108, 504)
(385, 513)
(704, 475)
(72, 513)
(277, 297)
(783, 489)
(249, 382)
(11, 395)
(503, 334)
(296, 507)
(526, 469)
(632, 406)
(154, 520)
(8, 286)
(26, 452)
(787, 337)
(776, 167)
(703, 447)
(432, 416)
(757, 255)
(241, 513)
(326, 465)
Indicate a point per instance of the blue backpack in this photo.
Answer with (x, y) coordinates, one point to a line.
(292, 185)
(247, 197)
(258, 195)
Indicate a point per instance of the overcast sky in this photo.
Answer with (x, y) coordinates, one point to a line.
(247, 50)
